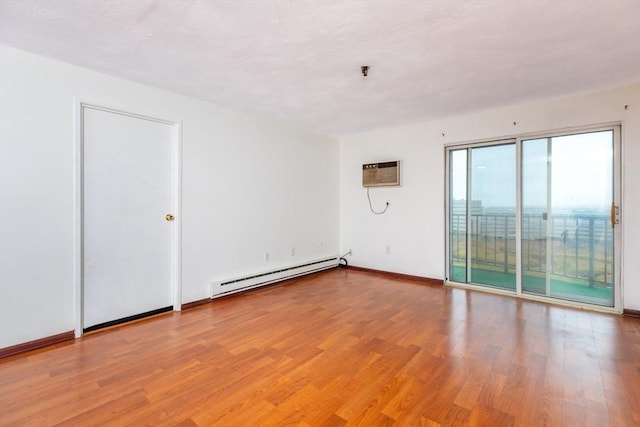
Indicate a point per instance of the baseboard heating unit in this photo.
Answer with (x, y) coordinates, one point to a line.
(229, 286)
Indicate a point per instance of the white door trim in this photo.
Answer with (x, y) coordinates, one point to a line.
(176, 249)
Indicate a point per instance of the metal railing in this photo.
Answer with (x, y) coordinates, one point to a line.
(581, 245)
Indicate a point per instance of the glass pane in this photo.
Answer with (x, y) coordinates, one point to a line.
(581, 238)
(493, 216)
(534, 216)
(458, 215)
(567, 240)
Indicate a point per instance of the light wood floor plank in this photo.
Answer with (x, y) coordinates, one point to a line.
(340, 348)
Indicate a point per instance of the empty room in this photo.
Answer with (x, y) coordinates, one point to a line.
(342, 213)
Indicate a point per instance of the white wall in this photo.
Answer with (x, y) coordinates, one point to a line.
(249, 186)
(414, 223)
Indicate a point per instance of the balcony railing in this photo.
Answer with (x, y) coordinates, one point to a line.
(581, 245)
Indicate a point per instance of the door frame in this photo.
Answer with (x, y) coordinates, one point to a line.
(176, 190)
(618, 233)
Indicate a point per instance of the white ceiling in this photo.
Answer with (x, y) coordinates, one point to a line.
(299, 61)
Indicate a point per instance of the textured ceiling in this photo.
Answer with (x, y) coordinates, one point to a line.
(299, 61)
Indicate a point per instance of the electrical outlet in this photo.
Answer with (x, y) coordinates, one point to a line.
(388, 249)
(351, 252)
(321, 244)
(293, 251)
(267, 256)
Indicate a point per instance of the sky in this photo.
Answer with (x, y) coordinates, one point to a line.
(581, 172)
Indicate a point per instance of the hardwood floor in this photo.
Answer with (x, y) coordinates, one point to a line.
(340, 348)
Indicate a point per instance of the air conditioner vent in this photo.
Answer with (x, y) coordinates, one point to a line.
(381, 174)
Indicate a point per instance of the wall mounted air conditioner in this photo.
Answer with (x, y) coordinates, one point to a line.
(381, 174)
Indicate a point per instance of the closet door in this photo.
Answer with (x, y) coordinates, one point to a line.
(127, 216)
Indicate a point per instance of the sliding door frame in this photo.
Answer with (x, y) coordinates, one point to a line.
(615, 127)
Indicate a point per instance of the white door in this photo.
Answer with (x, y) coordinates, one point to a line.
(127, 194)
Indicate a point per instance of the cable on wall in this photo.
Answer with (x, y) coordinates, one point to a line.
(371, 206)
(343, 258)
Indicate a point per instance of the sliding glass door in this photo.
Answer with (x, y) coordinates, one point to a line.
(567, 237)
(534, 215)
(483, 215)
(458, 218)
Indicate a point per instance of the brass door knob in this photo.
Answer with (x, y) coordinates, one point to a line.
(168, 217)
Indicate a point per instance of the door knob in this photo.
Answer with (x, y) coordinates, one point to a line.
(168, 217)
